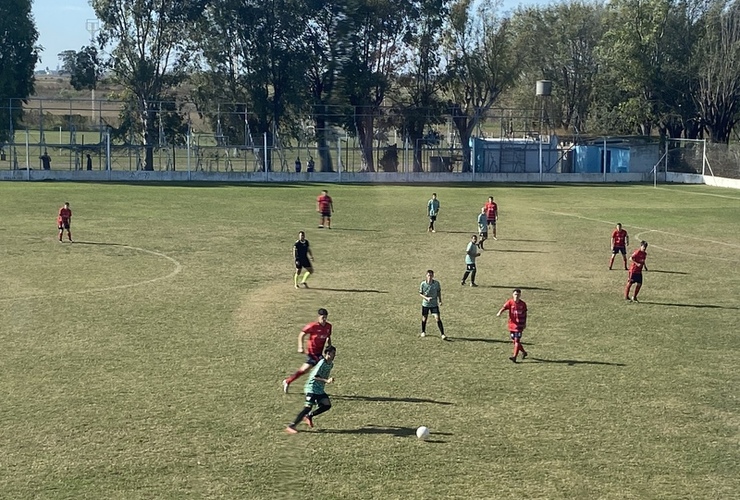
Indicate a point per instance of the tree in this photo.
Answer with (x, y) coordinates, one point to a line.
(482, 63)
(18, 57)
(718, 95)
(373, 40)
(254, 48)
(416, 97)
(84, 67)
(148, 53)
(566, 36)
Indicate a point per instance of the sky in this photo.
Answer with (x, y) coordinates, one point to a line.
(62, 25)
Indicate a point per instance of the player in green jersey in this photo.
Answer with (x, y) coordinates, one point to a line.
(432, 212)
(471, 252)
(431, 295)
(315, 393)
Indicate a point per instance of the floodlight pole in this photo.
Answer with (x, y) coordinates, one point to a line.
(28, 159)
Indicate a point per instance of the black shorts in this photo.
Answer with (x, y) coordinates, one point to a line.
(426, 310)
(470, 267)
(64, 225)
(432, 218)
(491, 223)
(635, 278)
(515, 335)
(315, 399)
(326, 214)
(622, 250)
(301, 263)
(483, 234)
(313, 359)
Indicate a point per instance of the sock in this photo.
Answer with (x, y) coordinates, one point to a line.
(611, 262)
(305, 276)
(424, 325)
(517, 347)
(60, 236)
(440, 326)
(295, 376)
(637, 290)
(431, 226)
(465, 276)
(321, 409)
(305, 411)
(627, 290)
(625, 262)
(295, 279)
(472, 276)
(69, 235)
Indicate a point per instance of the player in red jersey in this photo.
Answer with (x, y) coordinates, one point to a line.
(64, 219)
(491, 214)
(325, 207)
(319, 335)
(620, 241)
(517, 321)
(635, 274)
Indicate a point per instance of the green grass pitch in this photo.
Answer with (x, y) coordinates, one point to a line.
(145, 359)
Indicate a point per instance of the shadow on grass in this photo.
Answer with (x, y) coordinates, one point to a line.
(354, 229)
(513, 251)
(489, 341)
(510, 287)
(390, 399)
(458, 232)
(698, 306)
(666, 272)
(530, 241)
(354, 290)
(396, 431)
(99, 243)
(573, 362)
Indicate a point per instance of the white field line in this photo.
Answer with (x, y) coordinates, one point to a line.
(178, 268)
(699, 194)
(648, 230)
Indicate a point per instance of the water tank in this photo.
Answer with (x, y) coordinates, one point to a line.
(544, 88)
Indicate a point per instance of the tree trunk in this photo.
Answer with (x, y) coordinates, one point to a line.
(324, 152)
(364, 124)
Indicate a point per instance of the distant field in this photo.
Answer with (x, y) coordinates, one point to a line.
(145, 360)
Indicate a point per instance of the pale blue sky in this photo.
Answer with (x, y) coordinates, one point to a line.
(62, 26)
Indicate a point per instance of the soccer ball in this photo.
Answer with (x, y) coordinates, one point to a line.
(422, 432)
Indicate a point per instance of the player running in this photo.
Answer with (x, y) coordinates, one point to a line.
(319, 335)
(517, 321)
(64, 220)
(315, 393)
(432, 212)
(635, 274)
(301, 254)
(325, 207)
(491, 214)
(431, 294)
(620, 241)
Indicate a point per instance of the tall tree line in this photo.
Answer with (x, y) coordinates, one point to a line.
(287, 69)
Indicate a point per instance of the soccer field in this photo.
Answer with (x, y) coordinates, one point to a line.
(145, 359)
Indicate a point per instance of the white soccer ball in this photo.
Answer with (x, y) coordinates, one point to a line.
(422, 432)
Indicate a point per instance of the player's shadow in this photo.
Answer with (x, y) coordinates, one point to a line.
(459, 232)
(509, 287)
(666, 272)
(99, 243)
(532, 241)
(353, 290)
(354, 229)
(572, 362)
(488, 341)
(390, 399)
(512, 251)
(698, 306)
(396, 431)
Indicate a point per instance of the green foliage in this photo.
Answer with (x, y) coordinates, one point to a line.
(145, 360)
(84, 67)
(18, 56)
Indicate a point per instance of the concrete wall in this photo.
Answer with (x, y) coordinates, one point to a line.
(709, 180)
(318, 177)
